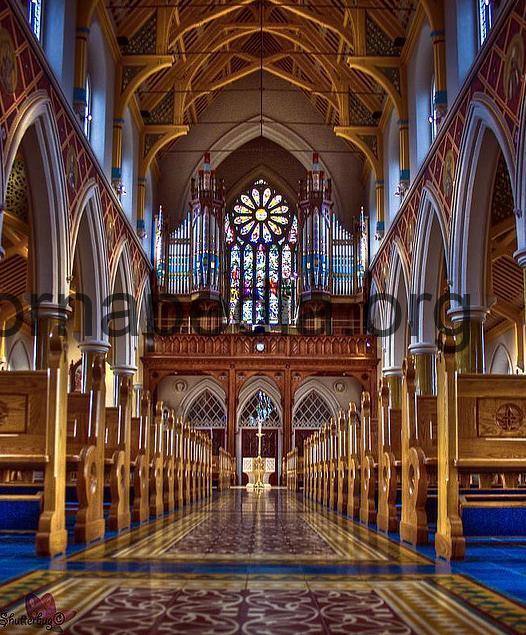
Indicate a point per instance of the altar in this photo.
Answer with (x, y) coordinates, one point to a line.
(248, 469)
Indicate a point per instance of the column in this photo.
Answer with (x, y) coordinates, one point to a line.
(520, 257)
(393, 377)
(380, 216)
(231, 412)
(89, 349)
(81, 69)
(119, 373)
(116, 162)
(48, 318)
(403, 126)
(439, 59)
(141, 196)
(468, 323)
(424, 355)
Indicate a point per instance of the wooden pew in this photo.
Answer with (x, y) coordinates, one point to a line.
(324, 494)
(33, 428)
(481, 429)
(226, 469)
(332, 464)
(307, 461)
(354, 469)
(419, 456)
(169, 456)
(117, 457)
(156, 462)
(86, 417)
(140, 460)
(343, 463)
(369, 464)
(179, 464)
(187, 462)
(390, 460)
(290, 469)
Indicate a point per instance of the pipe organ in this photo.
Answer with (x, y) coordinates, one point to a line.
(208, 203)
(172, 255)
(350, 254)
(315, 207)
(193, 260)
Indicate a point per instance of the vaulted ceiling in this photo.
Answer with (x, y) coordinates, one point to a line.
(178, 55)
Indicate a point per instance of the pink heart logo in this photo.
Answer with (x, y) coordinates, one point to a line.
(43, 609)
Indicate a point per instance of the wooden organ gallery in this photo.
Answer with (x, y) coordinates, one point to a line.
(262, 316)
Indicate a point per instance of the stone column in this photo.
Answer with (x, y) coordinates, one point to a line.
(120, 372)
(47, 319)
(393, 376)
(89, 349)
(468, 323)
(424, 355)
(520, 257)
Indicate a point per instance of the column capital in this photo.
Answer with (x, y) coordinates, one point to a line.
(472, 313)
(126, 371)
(94, 346)
(51, 310)
(423, 348)
(520, 257)
(392, 371)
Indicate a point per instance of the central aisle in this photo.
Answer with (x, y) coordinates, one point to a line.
(263, 563)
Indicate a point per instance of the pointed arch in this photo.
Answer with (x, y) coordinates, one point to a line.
(124, 328)
(88, 244)
(199, 392)
(397, 313)
(485, 137)
(430, 249)
(35, 131)
(501, 362)
(312, 387)
(521, 182)
(251, 388)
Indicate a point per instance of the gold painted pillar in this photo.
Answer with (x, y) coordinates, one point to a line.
(89, 350)
(380, 214)
(424, 356)
(393, 376)
(116, 162)
(468, 324)
(47, 319)
(520, 257)
(141, 198)
(403, 126)
(439, 59)
(81, 70)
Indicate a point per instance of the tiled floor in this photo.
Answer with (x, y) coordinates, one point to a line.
(262, 564)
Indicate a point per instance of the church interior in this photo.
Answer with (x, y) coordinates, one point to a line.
(262, 316)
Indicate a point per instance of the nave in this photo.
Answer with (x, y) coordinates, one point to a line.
(268, 562)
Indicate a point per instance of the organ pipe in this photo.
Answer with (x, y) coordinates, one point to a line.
(208, 203)
(315, 226)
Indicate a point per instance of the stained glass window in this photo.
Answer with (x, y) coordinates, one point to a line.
(34, 9)
(261, 233)
(485, 19)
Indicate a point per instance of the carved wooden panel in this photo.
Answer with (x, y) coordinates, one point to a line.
(501, 418)
(14, 411)
(426, 420)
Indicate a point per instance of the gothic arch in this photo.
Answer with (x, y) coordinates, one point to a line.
(313, 385)
(397, 308)
(123, 344)
(430, 248)
(35, 131)
(89, 244)
(197, 391)
(521, 180)
(501, 362)
(485, 136)
(251, 387)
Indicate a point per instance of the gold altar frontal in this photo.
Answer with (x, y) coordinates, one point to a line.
(258, 469)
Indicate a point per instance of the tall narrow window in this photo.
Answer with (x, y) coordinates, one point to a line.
(261, 234)
(34, 8)
(88, 117)
(433, 110)
(485, 19)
